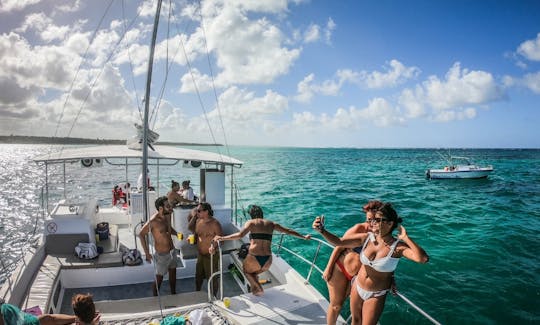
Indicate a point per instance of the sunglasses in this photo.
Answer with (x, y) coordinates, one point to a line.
(200, 210)
(377, 220)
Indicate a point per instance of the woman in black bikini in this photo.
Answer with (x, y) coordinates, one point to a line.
(259, 256)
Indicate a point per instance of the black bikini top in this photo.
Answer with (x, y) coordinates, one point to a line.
(260, 236)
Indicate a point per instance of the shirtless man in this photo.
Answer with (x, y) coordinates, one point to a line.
(205, 227)
(165, 256)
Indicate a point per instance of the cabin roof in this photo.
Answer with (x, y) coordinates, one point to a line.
(122, 151)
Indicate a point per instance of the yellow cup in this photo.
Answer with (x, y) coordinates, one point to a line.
(180, 235)
(227, 302)
(191, 239)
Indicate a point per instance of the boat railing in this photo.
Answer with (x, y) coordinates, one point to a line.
(240, 218)
(313, 267)
(312, 264)
(218, 272)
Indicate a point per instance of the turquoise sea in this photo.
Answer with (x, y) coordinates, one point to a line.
(481, 235)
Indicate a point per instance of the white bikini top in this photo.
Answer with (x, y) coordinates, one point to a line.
(383, 264)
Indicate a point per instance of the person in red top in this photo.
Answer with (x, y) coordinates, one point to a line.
(118, 195)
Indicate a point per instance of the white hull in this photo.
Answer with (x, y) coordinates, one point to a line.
(471, 174)
(463, 169)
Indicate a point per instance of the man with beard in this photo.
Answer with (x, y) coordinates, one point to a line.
(165, 254)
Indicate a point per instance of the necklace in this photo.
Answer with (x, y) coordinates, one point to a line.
(387, 243)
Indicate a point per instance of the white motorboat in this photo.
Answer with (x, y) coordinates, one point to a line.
(459, 167)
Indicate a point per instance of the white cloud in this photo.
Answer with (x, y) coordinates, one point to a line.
(70, 6)
(452, 97)
(16, 5)
(460, 88)
(395, 74)
(307, 88)
(330, 26)
(312, 34)
(530, 81)
(530, 49)
(379, 112)
(44, 67)
(190, 82)
(229, 29)
(44, 27)
(410, 100)
(451, 115)
(242, 105)
(246, 115)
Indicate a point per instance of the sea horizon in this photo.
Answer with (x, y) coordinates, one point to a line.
(469, 228)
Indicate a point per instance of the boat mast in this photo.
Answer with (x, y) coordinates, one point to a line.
(146, 111)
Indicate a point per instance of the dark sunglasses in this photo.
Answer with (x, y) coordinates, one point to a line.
(200, 210)
(377, 220)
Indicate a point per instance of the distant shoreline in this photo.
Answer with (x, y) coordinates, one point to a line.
(22, 139)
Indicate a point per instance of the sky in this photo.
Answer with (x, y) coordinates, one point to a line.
(362, 74)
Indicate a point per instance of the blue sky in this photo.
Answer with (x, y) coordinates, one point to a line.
(285, 73)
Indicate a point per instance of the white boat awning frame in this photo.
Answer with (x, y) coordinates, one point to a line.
(122, 151)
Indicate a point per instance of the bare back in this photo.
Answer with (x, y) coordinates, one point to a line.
(260, 226)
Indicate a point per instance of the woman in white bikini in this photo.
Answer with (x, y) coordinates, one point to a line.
(379, 257)
(343, 264)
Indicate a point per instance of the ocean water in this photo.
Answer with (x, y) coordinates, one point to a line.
(481, 235)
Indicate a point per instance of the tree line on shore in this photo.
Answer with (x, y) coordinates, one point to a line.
(25, 139)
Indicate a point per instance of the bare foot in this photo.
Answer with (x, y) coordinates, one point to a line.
(258, 292)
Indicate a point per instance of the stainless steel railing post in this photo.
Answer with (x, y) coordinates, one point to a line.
(313, 261)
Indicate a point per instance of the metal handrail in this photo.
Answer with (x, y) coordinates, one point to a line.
(314, 266)
(312, 263)
(423, 313)
(213, 274)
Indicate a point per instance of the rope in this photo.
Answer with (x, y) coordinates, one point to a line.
(426, 315)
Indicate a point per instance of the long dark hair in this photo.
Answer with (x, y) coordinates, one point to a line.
(255, 212)
(390, 214)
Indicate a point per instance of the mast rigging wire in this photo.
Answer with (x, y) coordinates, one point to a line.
(99, 75)
(92, 38)
(130, 62)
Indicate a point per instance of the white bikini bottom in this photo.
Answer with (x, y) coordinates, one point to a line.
(365, 294)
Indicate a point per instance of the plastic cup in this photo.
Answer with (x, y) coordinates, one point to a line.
(180, 236)
(227, 302)
(191, 239)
